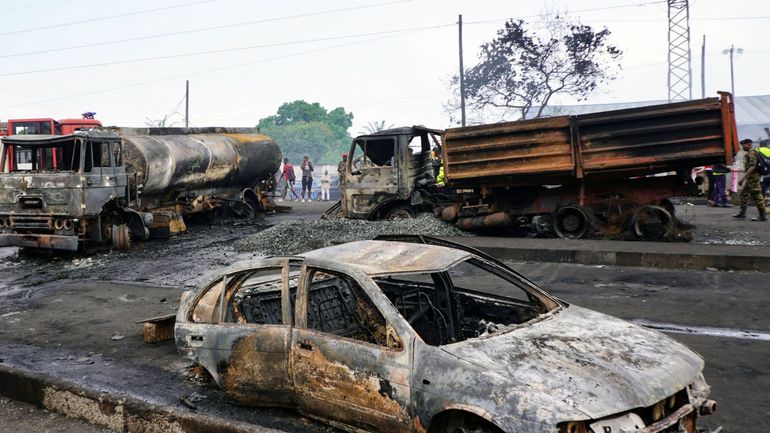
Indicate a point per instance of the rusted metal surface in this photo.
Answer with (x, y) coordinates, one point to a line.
(608, 145)
(524, 149)
(364, 344)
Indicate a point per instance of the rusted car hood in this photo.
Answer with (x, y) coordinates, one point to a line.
(595, 363)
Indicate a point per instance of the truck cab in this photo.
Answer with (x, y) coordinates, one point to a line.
(54, 188)
(385, 172)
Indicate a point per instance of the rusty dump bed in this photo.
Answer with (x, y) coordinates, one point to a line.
(607, 145)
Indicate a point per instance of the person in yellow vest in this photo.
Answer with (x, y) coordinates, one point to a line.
(441, 179)
(750, 188)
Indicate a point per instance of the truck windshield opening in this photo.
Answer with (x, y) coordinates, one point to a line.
(62, 157)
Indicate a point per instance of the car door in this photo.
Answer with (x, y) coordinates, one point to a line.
(245, 346)
(348, 362)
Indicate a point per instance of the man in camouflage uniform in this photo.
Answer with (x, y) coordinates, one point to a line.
(751, 189)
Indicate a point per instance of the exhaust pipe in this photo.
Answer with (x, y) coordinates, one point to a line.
(497, 219)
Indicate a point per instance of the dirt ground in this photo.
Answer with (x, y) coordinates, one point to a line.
(74, 316)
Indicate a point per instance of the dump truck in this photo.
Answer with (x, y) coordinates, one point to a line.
(112, 186)
(600, 174)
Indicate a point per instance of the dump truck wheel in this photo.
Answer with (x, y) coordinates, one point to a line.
(570, 222)
(653, 223)
(400, 212)
(120, 237)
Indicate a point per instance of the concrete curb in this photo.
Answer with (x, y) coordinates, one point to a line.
(119, 413)
(644, 254)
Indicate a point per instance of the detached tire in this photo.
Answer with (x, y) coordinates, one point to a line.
(570, 221)
(653, 223)
(400, 212)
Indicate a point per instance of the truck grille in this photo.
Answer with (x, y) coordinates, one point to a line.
(31, 222)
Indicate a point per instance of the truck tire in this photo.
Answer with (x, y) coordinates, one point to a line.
(653, 223)
(400, 212)
(120, 237)
(570, 221)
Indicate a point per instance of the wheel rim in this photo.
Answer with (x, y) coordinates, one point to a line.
(399, 214)
(570, 222)
(653, 223)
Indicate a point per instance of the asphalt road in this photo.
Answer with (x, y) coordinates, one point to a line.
(75, 315)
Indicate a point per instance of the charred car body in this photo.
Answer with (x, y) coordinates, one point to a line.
(415, 334)
(572, 176)
(109, 186)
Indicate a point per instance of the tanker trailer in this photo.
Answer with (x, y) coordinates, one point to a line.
(111, 186)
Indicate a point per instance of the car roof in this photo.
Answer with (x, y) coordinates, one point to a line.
(389, 257)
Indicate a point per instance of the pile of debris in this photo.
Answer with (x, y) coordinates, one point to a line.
(297, 237)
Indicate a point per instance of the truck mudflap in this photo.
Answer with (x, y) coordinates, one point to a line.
(44, 242)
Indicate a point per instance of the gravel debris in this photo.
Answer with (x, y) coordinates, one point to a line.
(297, 237)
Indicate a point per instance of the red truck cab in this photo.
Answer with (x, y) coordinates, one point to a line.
(43, 126)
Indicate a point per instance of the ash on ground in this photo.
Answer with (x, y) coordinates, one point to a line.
(296, 237)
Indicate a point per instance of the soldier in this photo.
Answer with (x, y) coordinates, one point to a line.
(751, 189)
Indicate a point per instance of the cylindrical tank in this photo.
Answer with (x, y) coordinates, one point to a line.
(179, 159)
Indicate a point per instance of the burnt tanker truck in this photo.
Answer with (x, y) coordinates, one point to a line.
(112, 186)
(603, 174)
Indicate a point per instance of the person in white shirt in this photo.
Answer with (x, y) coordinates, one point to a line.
(326, 183)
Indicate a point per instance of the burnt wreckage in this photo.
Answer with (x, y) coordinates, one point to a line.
(413, 334)
(608, 174)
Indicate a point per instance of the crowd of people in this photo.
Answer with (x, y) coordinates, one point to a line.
(749, 178)
(306, 168)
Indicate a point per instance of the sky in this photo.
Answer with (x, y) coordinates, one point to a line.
(381, 60)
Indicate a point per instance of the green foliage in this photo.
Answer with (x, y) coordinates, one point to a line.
(302, 128)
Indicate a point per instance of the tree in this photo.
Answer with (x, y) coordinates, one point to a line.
(375, 126)
(302, 128)
(158, 123)
(521, 70)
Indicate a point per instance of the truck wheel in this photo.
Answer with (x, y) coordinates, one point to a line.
(400, 212)
(120, 237)
(653, 223)
(570, 222)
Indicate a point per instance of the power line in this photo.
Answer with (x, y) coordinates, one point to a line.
(109, 17)
(202, 29)
(207, 71)
(629, 5)
(223, 50)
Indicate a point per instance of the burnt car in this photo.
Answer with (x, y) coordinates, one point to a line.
(416, 334)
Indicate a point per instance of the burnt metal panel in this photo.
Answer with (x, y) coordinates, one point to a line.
(509, 149)
(608, 145)
(661, 138)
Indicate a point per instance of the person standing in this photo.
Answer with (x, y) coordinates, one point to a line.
(326, 185)
(750, 188)
(289, 177)
(307, 177)
(719, 195)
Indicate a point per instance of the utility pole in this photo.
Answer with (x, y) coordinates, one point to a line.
(703, 68)
(732, 50)
(187, 103)
(679, 66)
(462, 72)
